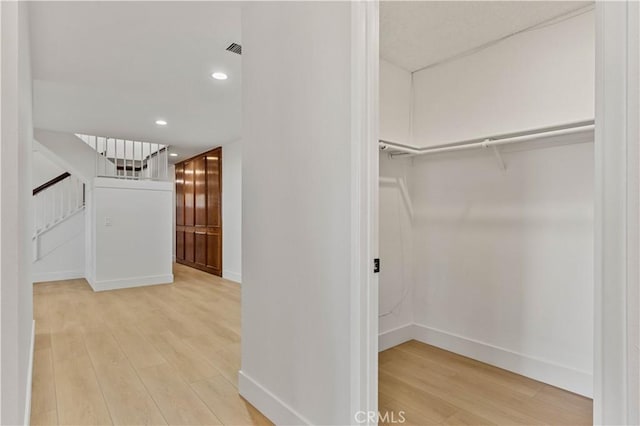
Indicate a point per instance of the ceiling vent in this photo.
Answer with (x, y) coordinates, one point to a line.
(235, 48)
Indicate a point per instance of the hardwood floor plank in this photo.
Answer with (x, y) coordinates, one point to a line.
(138, 349)
(463, 418)
(80, 400)
(45, 418)
(125, 395)
(223, 399)
(43, 394)
(421, 376)
(179, 404)
(191, 365)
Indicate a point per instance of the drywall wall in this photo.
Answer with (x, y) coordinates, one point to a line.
(16, 297)
(396, 251)
(504, 259)
(69, 151)
(395, 102)
(59, 252)
(43, 168)
(296, 205)
(535, 79)
(232, 211)
(132, 239)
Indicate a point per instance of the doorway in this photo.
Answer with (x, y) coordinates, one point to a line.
(609, 362)
(199, 212)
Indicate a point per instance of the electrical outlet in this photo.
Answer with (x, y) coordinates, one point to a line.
(107, 221)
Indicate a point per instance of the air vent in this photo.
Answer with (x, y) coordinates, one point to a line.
(235, 48)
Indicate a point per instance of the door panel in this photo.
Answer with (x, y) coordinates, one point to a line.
(213, 188)
(214, 255)
(200, 183)
(201, 248)
(179, 245)
(179, 194)
(189, 201)
(189, 246)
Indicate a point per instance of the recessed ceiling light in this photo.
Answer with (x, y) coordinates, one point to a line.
(173, 154)
(161, 122)
(219, 76)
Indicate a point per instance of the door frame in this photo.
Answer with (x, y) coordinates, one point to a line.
(617, 212)
(364, 211)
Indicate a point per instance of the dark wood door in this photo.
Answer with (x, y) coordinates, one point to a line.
(180, 211)
(199, 212)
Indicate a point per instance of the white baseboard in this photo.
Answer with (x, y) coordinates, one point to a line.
(577, 381)
(395, 337)
(232, 276)
(131, 282)
(27, 399)
(57, 276)
(267, 403)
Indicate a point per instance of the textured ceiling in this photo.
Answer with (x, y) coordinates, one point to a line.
(417, 34)
(113, 68)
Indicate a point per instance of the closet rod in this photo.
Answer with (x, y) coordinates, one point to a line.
(581, 127)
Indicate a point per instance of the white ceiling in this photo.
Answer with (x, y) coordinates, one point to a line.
(416, 34)
(113, 68)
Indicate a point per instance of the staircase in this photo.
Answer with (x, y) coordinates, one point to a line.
(56, 200)
(128, 197)
(58, 235)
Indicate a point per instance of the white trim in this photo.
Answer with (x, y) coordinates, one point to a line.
(57, 276)
(580, 382)
(104, 285)
(232, 276)
(267, 403)
(27, 399)
(617, 212)
(146, 185)
(364, 208)
(395, 337)
(51, 226)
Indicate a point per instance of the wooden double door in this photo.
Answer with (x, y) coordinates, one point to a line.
(199, 212)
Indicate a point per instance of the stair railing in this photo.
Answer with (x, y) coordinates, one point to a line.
(56, 200)
(127, 159)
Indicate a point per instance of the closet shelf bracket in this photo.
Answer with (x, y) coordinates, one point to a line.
(497, 153)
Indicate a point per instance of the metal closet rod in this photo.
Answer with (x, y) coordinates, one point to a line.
(580, 127)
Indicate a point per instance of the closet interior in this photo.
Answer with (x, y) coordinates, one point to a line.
(486, 218)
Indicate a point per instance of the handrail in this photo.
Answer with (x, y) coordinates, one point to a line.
(52, 182)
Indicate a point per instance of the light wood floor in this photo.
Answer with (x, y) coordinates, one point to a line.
(436, 387)
(166, 354)
(169, 354)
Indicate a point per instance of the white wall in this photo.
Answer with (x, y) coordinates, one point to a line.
(504, 260)
(535, 79)
(395, 102)
(16, 312)
(61, 251)
(232, 211)
(132, 223)
(396, 250)
(43, 168)
(69, 151)
(296, 211)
